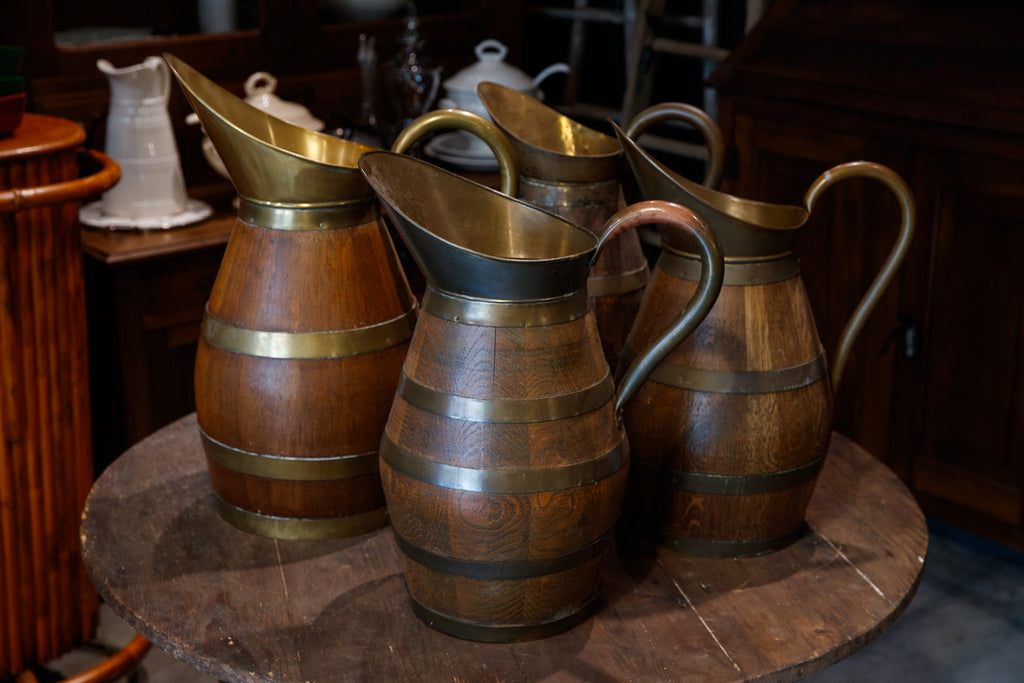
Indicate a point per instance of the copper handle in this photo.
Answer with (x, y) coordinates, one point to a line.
(711, 275)
(867, 169)
(75, 190)
(698, 118)
(445, 119)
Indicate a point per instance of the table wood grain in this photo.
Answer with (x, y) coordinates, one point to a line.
(246, 608)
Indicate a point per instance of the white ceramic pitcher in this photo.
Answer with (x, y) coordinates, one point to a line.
(140, 138)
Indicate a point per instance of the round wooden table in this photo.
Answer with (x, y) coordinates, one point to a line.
(247, 608)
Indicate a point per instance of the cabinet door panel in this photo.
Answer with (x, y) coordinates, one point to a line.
(975, 380)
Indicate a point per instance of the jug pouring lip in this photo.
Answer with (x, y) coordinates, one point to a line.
(549, 144)
(745, 227)
(310, 168)
(475, 241)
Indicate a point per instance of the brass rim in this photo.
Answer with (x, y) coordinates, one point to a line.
(507, 411)
(620, 283)
(504, 480)
(748, 273)
(729, 484)
(737, 381)
(490, 313)
(306, 345)
(302, 529)
(289, 468)
(333, 217)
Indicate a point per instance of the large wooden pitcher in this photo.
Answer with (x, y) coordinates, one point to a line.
(575, 172)
(729, 433)
(305, 331)
(503, 460)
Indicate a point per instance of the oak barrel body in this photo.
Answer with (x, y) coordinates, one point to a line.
(504, 469)
(730, 431)
(47, 604)
(301, 349)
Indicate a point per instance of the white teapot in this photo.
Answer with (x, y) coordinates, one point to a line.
(460, 89)
(259, 92)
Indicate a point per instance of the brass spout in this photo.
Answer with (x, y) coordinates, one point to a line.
(269, 160)
(550, 146)
(745, 228)
(473, 241)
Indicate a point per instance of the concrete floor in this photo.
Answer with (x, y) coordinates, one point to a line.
(965, 625)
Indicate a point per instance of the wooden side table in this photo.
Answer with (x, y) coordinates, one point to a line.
(247, 608)
(146, 292)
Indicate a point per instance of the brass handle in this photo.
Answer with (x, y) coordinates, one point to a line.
(19, 199)
(867, 169)
(698, 118)
(444, 119)
(711, 275)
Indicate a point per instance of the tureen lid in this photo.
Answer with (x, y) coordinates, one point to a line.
(490, 67)
(259, 92)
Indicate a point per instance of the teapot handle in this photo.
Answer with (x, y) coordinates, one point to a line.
(698, 118)
(444, 119)
(867, 169)
(711, 276)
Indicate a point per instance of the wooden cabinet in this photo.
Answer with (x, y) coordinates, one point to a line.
(146, 291)
(935, 383)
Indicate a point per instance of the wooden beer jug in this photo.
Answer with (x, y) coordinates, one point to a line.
(503, 459)
(305, 331)
(575, 172)
(729, 433)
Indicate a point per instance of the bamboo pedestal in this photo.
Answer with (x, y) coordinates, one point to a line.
(46, 603)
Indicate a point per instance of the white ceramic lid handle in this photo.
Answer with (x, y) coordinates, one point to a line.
(491, 50)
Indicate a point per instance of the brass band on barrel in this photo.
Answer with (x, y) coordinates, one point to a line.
(505, 480)
(289, 468)
(491, 313)
(729, 484)
(503, 571)
(736, 381)
(552, 195)
(737, 273)
(507, 411)
(299, 345)
(305, 528)
(331, 217)
(484, 633)
(619, 283)
(729, 549)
